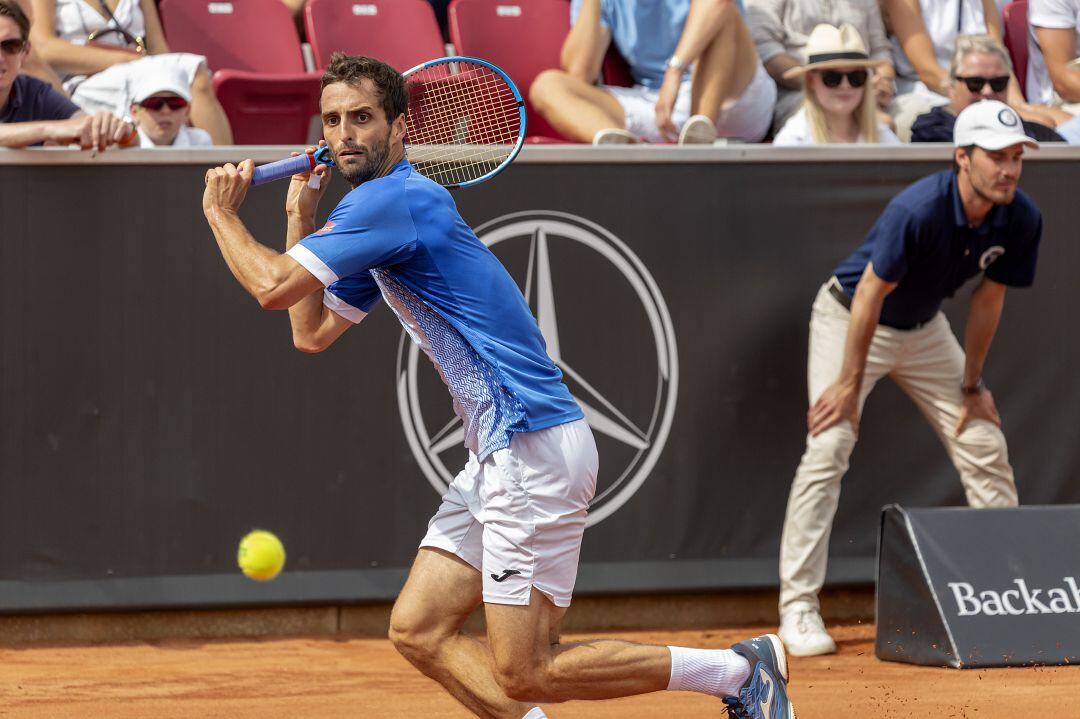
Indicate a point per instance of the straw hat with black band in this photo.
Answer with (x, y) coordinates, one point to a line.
(831, 47)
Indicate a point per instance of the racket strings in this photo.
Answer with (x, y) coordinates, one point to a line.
(462, 123)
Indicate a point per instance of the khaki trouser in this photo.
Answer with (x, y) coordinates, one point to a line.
(928, 364)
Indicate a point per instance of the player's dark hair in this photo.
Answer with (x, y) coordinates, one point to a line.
(352, 69)
(13, 11)
(968, 150)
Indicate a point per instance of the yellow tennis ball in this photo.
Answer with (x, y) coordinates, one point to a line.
(261, 555)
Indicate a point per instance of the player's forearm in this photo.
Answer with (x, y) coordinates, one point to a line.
(984, 313)
(309, 314)
(251, 263)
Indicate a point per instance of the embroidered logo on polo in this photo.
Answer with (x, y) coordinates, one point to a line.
(1008, 118)
(990, 255)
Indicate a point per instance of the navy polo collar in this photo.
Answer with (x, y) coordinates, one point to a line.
(997, 217)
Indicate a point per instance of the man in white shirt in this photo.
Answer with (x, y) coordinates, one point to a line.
(160, 105)
(1053, 77)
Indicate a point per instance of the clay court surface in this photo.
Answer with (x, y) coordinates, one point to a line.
(324, 678)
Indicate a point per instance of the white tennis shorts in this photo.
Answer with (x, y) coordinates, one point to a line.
(519, 515)
(747, 118)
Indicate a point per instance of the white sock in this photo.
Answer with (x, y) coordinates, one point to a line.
(535, 713)
(719, 672)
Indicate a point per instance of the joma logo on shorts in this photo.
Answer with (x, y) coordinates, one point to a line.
(506, 573)
(1015, 602)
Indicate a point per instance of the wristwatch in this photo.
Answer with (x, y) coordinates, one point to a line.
(674, 63)
(973, 389)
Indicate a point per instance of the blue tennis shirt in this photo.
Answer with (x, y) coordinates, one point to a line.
(400, 237)
(924, 242)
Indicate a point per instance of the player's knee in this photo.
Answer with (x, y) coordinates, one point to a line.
(414, 642)
(524, 683)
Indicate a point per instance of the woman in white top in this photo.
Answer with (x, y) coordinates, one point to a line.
(838, 103)
(100, 47)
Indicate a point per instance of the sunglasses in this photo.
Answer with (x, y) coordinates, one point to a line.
(976, 84)
(855, 78)
(156, 103)
(12, 46)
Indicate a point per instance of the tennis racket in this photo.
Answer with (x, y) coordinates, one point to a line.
(465, 123)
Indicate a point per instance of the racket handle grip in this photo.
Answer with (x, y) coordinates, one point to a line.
(283, 168)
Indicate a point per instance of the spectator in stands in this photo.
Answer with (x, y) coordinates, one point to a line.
(781, 29)
(1053, 74)
(31, 111)
(980, 70)
(160, 106)
(100, 49)
(696, 75)
(924, 38)
(838, 104)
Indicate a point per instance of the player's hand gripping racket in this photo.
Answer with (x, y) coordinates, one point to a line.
(464, 124)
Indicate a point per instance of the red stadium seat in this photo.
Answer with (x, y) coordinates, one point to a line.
(254, 51)
(1016, 39)
(523, 37)
(401, 33)
(268, 109)
(252, 35)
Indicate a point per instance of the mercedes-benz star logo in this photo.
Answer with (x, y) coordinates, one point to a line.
(618, 355)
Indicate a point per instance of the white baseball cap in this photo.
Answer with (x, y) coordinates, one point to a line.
(160, 78)
(991, 125)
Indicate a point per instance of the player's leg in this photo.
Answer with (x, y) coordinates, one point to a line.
(931, 375)
(751, 677)
(442, 590)
(729, 84)
(815, 491)
(529, 667)
(440, 594)
(576, 109)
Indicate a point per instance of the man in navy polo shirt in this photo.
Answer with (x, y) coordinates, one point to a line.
(881, 315)
(31, 111)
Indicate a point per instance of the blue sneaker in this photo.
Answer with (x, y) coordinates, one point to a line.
(764, 696)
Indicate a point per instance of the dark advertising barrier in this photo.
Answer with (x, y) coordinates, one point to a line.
(151, 413)
(979, 588)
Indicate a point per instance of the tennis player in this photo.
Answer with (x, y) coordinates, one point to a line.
(508, 531)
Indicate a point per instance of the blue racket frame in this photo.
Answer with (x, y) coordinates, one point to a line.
(517, 96)
(293, 165)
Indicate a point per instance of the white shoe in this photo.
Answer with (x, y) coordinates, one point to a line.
(698, 130)
(803, 633)
(614, 136)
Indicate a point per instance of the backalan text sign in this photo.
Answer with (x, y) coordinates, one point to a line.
(1018, 600)
(977, 588)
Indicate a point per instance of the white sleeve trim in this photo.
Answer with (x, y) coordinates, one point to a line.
(311, 262)
(342, 307)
